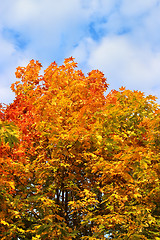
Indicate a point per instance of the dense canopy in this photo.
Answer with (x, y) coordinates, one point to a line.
(77, 163)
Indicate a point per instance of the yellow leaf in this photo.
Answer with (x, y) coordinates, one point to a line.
(36, 237)
(12, 184)
(4, 222)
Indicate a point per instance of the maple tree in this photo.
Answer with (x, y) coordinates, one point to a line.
(86, 165)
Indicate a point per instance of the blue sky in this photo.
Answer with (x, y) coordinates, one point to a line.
(119, 37)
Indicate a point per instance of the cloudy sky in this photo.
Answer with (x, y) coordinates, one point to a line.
(119, 37)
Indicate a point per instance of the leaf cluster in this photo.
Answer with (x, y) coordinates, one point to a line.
(77, 163)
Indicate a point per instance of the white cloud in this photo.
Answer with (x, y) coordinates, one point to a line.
(126, 64)
(136, 7)
(44, 23)
(6, 50)
(50, 24)
(151, 28)
(82, 51)
(5, 95)
(97, 7)
(18, 12)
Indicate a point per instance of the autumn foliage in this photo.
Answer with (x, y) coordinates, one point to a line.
(75, 162)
